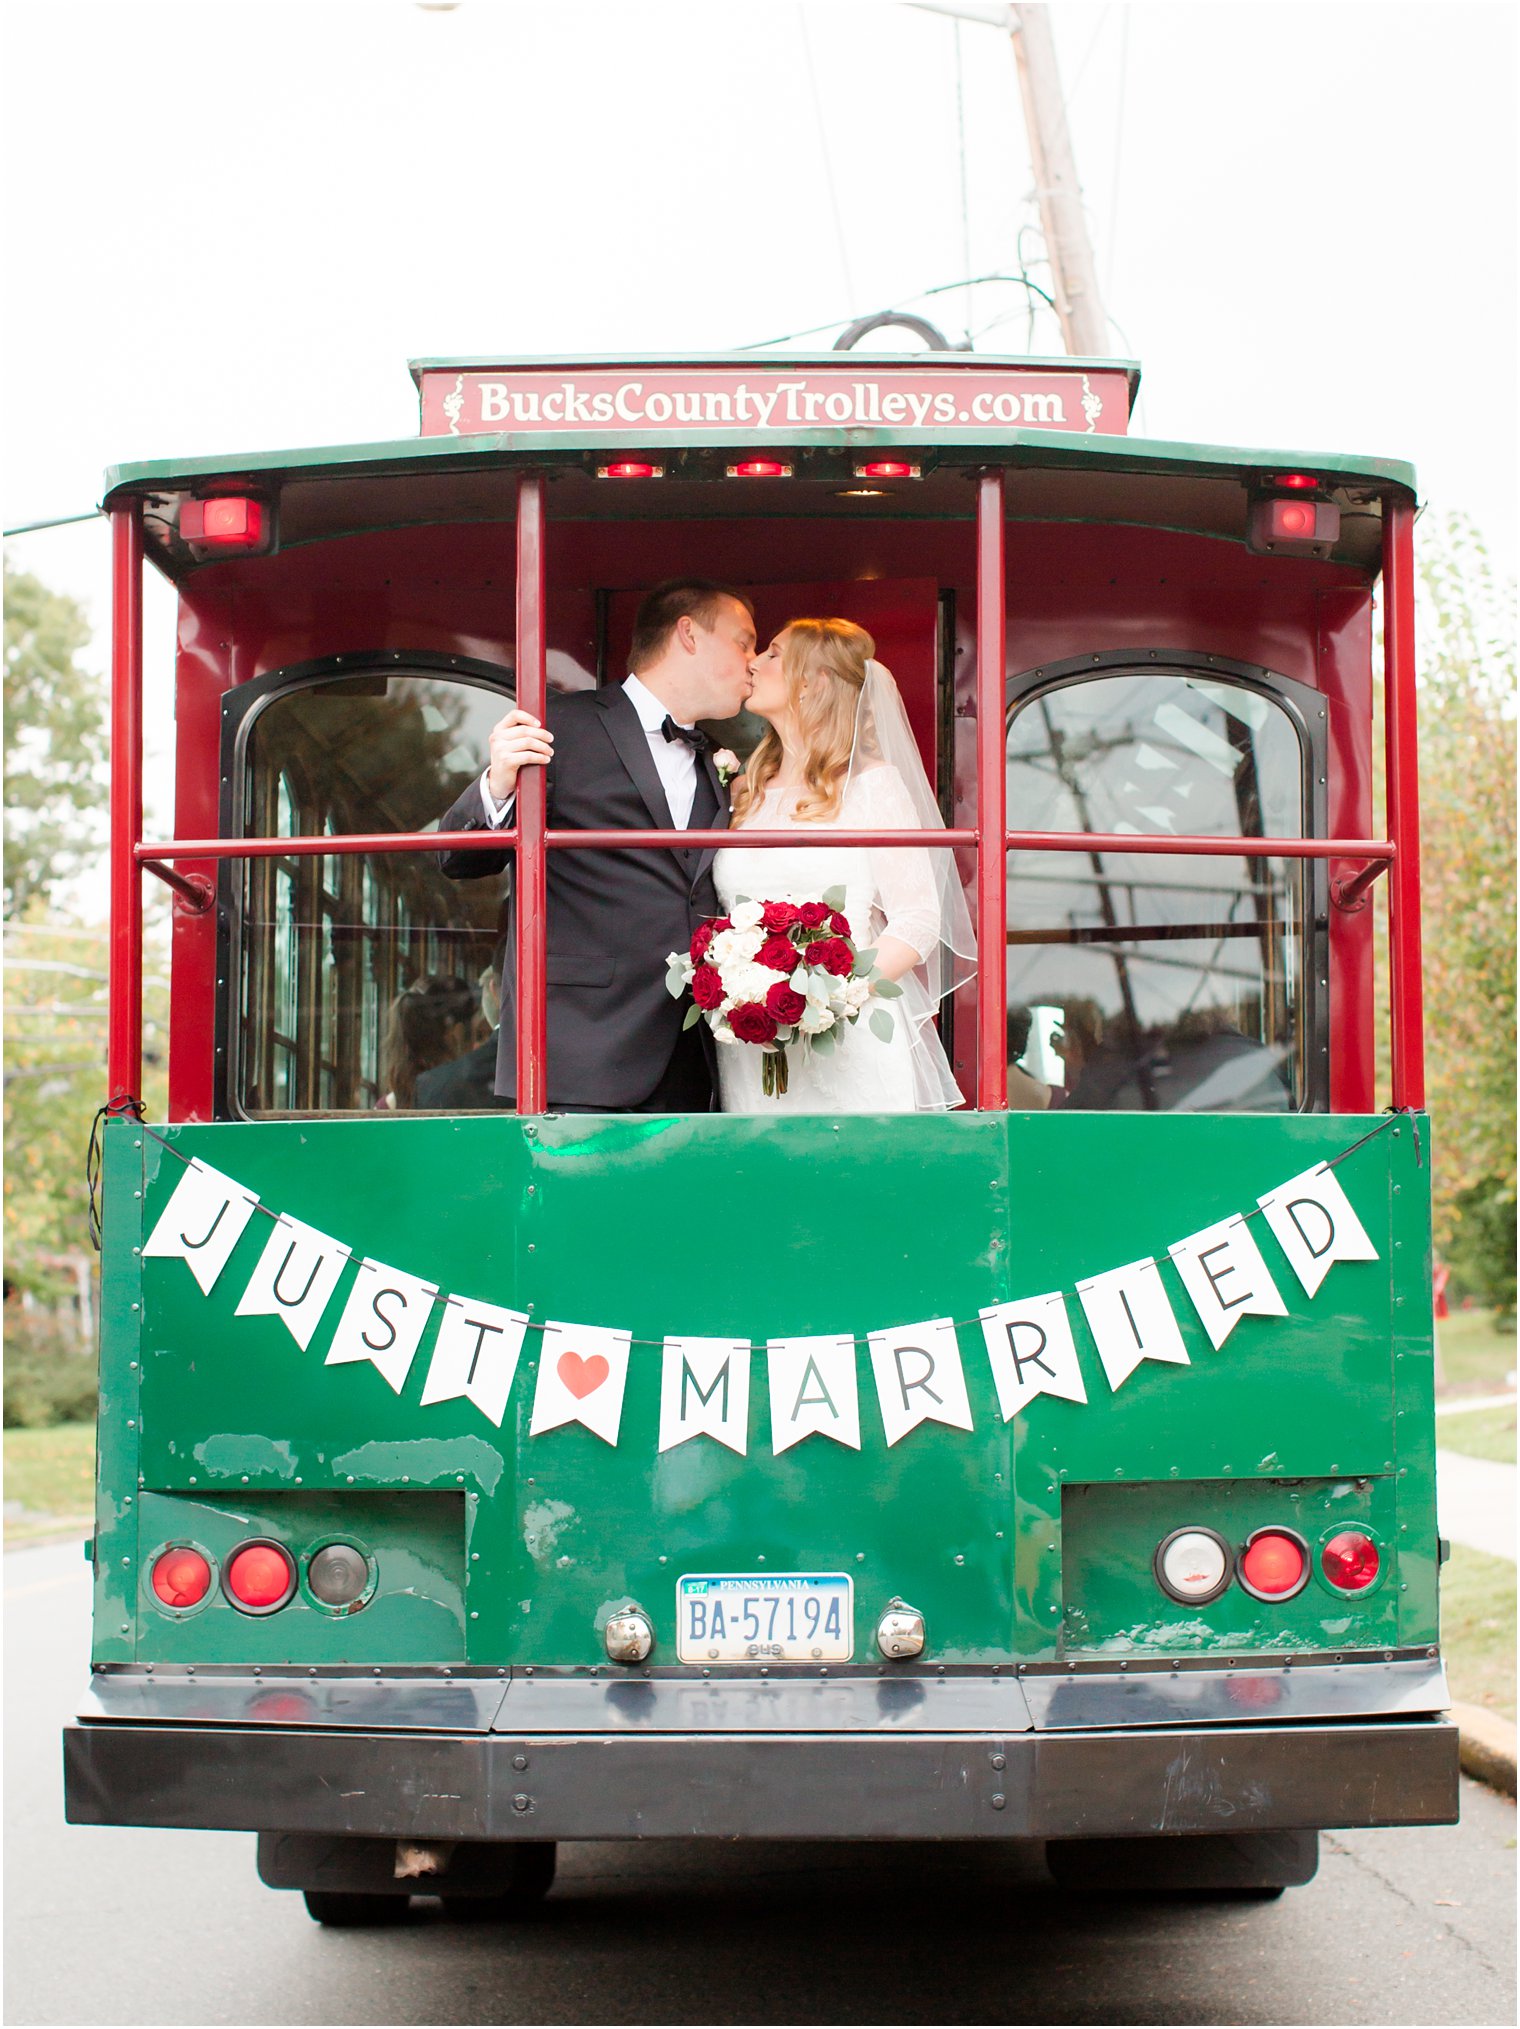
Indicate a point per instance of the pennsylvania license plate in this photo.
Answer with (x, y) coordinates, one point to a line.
(778, 1617)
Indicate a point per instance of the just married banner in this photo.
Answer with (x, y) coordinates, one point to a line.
(812, 1382)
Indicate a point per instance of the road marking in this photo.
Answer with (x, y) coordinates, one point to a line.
(44, 1585)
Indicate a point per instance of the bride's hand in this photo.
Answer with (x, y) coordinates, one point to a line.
(894, 958)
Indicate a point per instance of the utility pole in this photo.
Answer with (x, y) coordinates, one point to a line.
(1079, 304)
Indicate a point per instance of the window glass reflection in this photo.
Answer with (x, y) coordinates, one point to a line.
(365, 981)
(1148, 982)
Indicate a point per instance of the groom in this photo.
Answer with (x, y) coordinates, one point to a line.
(628, 757)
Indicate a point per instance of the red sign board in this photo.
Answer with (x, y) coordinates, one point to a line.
(770, 402)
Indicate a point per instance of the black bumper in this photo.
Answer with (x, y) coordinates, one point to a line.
(1111, 1759)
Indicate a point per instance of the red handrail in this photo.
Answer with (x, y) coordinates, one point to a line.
(124, 1045)
(1381, 850)
(1401, 740)
(531, 1012)
(992, 795)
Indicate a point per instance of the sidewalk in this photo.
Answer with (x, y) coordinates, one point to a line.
(1475, 1502)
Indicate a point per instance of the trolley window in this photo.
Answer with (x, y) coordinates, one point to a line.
(364, 980)
(1142, 981)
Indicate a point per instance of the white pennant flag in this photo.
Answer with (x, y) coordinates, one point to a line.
(704, 1392)
(1131, 1320)
(475, 1356)
(582, 1372)
(919, 1377)
(813, 1391)
(1031, 1352)
(1223, 1272)
(297, 1273)
(382, 1321)
(1314, 1225)
(202, 1222)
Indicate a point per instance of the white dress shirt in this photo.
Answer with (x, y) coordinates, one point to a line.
(675, 762)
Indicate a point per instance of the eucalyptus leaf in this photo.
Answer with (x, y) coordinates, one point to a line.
(824, 1043)
(864, 960)
(881, 1024)
(834, 897)
(693, 1016)
(887, 989)
(675, 983)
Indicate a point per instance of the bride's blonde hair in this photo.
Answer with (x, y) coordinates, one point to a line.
(824, 664)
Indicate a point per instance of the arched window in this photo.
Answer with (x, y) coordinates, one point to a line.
(1153, 982)
(358, 974)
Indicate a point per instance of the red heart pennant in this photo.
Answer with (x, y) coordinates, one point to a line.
(582, 1377)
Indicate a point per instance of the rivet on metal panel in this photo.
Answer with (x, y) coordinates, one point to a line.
(519, 1761)
(1000, 1761)
(998, 1801)
(522, 1803)
(474, 1616)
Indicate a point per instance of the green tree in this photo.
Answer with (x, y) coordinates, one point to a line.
(1467, 794)
(55, 743)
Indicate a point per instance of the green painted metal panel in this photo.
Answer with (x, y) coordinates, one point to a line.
(707, 1224)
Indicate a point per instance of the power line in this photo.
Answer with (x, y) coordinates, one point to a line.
(921, 295)
(59, 521)
(828, 160)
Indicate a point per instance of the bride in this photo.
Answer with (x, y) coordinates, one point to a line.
(839, 754)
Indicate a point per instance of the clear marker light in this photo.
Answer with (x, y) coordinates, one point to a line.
(1193, 1565)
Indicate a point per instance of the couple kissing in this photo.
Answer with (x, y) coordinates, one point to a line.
(837, 752)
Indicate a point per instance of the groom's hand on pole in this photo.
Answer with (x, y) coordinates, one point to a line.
(517, 741)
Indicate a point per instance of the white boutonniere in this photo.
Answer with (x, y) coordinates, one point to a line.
(727, 764)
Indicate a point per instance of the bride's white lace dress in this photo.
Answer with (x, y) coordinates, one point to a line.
(888, 893)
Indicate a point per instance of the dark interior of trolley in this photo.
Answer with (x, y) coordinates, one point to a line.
(1161, 678)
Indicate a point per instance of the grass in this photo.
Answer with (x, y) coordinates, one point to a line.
(1475, 1353)
(1478, 1629)
(1479, 1433)
(50, 1477)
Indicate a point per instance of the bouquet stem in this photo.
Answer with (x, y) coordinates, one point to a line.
(773, 1073)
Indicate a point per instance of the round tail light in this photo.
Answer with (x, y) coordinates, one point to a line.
(1350, 1561)
(260, 1577)
(1193, 1565)
(181, 1577)
(1274, 1564)
(338, 1575)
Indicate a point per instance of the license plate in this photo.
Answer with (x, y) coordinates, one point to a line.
(778, 1617)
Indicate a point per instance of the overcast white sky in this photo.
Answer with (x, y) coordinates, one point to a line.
(232, 223)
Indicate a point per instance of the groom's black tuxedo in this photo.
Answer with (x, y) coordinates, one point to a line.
(614, 917)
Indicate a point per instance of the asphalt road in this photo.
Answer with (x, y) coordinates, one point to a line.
(174, 1927)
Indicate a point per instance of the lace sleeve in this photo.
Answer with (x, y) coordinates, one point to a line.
(907, 892)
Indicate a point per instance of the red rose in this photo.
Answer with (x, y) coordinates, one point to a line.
(751, 1023)
(833, 954)
(779, 915)
(702, 936)
(778, 953)
(707, 986)
(839, 924)
(813, 915)
(784, 1004)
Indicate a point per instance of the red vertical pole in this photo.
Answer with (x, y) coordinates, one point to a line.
(532, 686)
(124, 1050)
(991, 798)
(1401, 730)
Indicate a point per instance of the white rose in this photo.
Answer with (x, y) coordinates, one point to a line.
(746, 915)
(856, 993)
(815, 1019)
(749, 982)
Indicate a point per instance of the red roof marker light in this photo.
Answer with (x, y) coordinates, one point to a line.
(229, 522)
(760, 468)
(1302, 482)
(630, 468)
(888, 468)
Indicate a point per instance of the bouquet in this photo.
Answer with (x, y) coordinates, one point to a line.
(775, 973)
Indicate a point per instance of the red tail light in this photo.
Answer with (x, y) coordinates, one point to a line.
(630, 468)
(1274, 1564)
(181, 1577)
(1350, 1561)
(260, 1577)
(760, 468)
(887, 468)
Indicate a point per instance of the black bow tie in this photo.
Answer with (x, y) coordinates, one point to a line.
(694, 737)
